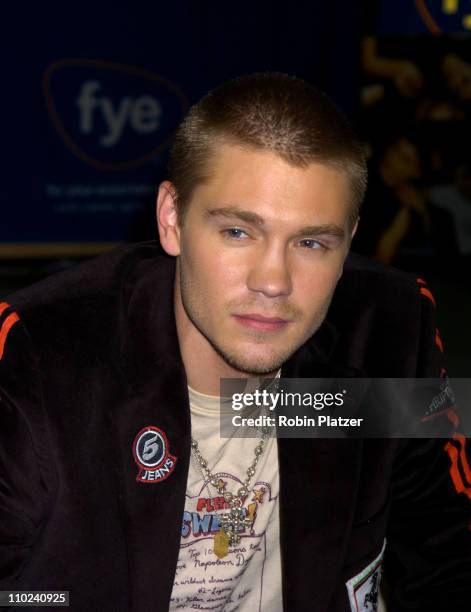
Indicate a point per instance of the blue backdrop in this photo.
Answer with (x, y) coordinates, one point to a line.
(92, 92)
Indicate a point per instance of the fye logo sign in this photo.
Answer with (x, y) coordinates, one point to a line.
(142, 114)
(112, 116)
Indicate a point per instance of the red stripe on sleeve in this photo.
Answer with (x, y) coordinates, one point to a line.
(5, 330)
(428, 294)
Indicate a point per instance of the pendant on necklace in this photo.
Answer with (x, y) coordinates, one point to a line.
(221, 544)
(231, 524)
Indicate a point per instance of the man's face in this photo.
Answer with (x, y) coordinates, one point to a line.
(261, 249)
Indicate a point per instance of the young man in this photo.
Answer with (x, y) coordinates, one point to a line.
(115, 483)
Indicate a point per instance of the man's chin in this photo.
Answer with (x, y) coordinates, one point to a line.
(255, 369)
(253, 365)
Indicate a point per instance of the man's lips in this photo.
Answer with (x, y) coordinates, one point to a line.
(261, 323)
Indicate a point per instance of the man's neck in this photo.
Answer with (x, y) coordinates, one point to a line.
(205, 368)
(204, 371)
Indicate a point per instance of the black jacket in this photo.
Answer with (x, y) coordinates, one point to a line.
(94, 357)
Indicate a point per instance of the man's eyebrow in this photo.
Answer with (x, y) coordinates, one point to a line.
(327, 229)
(234, 211)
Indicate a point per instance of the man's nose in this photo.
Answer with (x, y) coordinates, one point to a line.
(270, 273)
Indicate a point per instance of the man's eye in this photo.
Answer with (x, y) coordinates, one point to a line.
(235, 233)
(312, 244)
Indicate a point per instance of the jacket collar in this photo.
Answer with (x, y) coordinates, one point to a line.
(148, 328)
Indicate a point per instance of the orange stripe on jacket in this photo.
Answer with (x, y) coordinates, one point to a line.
(3, 307)
(5, 329)
(428, 293)
(464, 459)
(438, 340)
(421, 281)
(454, 470)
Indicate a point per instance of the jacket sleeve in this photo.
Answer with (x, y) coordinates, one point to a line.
(428, 558)
(22, 449)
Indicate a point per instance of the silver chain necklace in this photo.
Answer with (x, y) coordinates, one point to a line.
(233, 521)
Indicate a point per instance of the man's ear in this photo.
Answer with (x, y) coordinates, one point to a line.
(167, 218)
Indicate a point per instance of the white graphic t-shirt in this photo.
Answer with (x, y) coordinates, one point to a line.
(248, 578)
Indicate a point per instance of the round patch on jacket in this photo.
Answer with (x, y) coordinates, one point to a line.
(151, 454)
